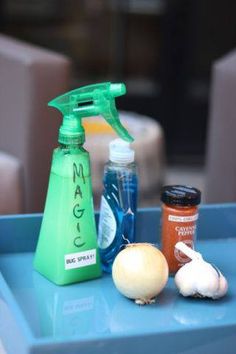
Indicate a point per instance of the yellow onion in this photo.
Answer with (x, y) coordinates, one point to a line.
(140, 272)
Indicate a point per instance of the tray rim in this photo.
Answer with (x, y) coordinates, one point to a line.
(35, 342)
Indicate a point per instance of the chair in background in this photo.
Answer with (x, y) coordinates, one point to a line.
(30, 77)
(11, 184)
(221, 147)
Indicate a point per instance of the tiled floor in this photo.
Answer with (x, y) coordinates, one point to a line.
(187, 175)
(177, 174)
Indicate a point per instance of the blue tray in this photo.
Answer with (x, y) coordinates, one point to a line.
(37, 316)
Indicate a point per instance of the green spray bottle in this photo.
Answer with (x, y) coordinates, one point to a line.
(67, 247)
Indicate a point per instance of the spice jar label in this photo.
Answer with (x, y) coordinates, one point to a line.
(180, 256)
(189, 218)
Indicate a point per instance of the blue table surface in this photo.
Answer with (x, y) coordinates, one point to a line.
(37, 316)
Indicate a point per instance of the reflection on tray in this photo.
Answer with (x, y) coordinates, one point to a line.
(69, 310)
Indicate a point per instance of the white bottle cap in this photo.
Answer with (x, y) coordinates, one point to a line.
(120, 151)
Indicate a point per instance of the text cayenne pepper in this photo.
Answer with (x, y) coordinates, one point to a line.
(179, 217)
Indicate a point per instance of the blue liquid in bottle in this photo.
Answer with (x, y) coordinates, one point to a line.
(118, 207)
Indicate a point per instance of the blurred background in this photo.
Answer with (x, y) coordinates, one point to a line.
(162, 49)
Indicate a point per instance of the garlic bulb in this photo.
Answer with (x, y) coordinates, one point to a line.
(199, 278)
(140, 272)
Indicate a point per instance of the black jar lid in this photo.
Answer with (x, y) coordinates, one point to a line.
(180, 195)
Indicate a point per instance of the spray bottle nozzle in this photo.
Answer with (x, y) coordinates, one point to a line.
(87, 101)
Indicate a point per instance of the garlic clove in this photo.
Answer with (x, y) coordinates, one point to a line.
(184, 283)
(222, 288)
(207, 283)
(199, 278)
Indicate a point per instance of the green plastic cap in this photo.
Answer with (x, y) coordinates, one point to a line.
(87, 101)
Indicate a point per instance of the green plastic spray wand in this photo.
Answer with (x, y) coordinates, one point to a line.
(67, 250)
(87, 101)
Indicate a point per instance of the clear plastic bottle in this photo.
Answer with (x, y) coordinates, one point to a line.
(118, 204)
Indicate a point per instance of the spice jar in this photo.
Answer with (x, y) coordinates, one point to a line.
(179, 217)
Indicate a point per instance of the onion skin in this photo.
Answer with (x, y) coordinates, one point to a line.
(140, 272)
